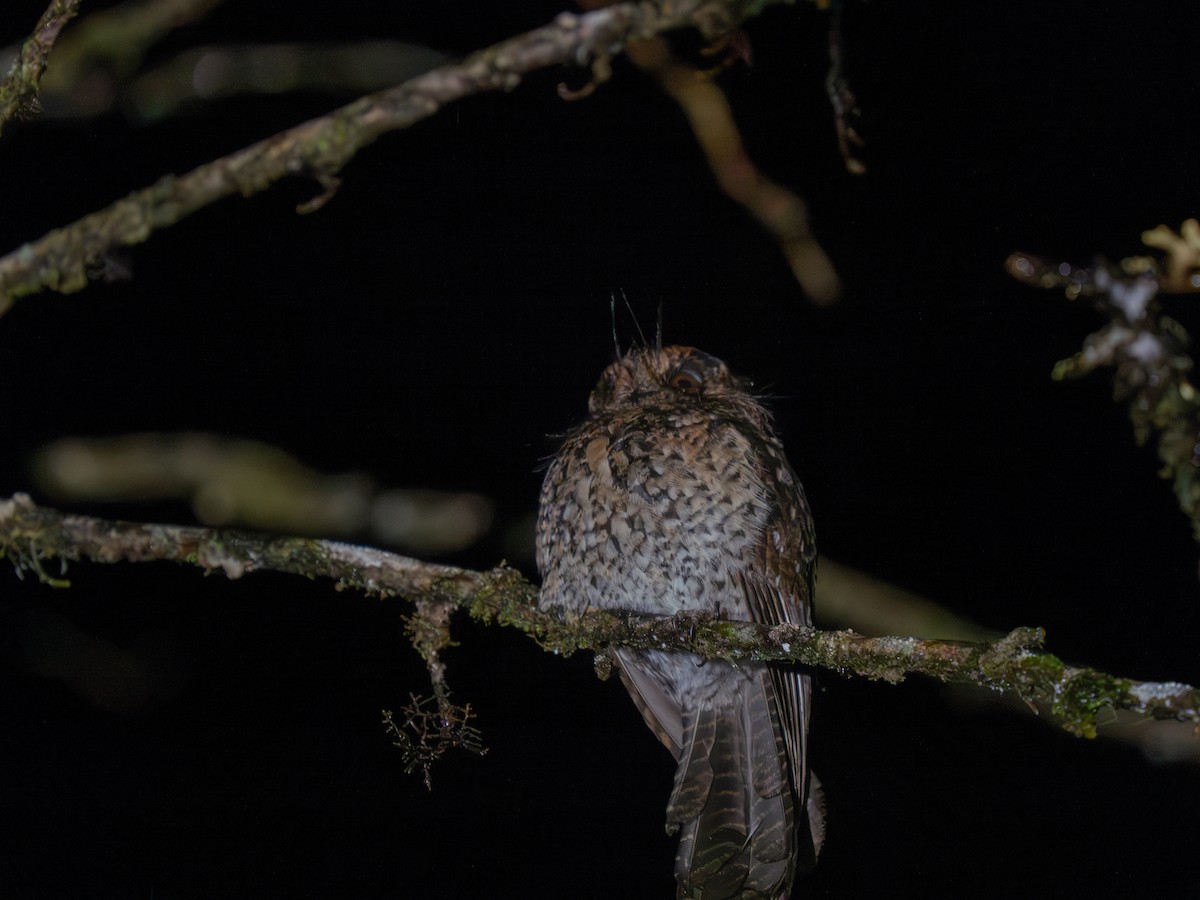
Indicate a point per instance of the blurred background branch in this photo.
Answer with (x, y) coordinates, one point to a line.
(219, 71)
(108, 46)
(95, 59)
(780, 211)
(230, 482)
(694, 88)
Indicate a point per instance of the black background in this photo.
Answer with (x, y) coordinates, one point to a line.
(447, 313)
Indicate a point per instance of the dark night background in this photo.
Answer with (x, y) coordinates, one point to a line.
(447, 313)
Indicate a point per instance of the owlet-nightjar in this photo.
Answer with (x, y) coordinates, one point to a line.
(675, 495)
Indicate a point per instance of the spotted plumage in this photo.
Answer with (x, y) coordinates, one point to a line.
(675, 495)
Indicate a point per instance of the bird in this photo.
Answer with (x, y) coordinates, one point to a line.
(674, 495)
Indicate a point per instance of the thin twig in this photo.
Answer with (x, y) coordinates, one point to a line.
(18, 90)
(30, 535)
(778, 209)
(320, 147)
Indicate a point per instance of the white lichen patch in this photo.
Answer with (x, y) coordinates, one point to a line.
(1131, 297)
(1152, 693)
(212, 557)
(1146, 348)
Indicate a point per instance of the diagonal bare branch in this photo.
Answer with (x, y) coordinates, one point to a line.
(321, 147)
(31, 535)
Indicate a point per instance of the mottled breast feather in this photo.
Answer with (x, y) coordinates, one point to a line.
(675, 495)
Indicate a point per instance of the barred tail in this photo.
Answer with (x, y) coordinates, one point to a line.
(734, 802)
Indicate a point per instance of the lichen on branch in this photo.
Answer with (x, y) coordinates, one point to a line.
(1146, 348)
(31, 535)
(19, 88)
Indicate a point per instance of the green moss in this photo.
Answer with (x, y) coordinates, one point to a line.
(1082, 695)
(504, 597)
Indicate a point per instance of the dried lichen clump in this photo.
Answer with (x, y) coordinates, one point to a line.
(427, 729)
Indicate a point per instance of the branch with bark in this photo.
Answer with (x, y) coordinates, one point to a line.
(18, 90)
(321, 147)
(32, 536)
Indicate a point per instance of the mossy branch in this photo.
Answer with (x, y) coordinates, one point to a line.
(31, 535)
(321, 147)
(19, 88)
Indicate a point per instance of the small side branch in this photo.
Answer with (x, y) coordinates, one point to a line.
(18, 90)
(31, 535)
(321, 147)
(1146, 349)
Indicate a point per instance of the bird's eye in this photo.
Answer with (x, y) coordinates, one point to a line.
(687, 379)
